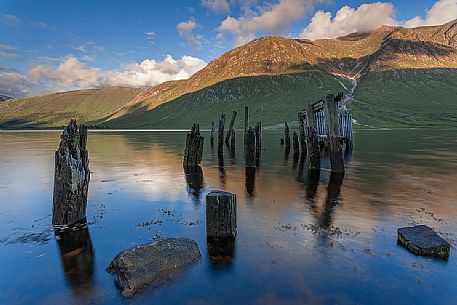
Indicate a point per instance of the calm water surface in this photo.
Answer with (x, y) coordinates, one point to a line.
(301, 239)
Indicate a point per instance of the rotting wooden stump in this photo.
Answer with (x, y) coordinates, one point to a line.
(313, 158)
(286, 136)
(193, 152)
(230, 130)
(296, 144)
(220, 135)
(301, 129)
(333, 139)
(258, 135)
(233, 140)
(71, 176)
(422, 240)
(249, 148)
(212, 133)
(220, 214)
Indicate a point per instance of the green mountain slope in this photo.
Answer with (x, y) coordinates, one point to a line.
(271, 99)
(57, 109)
(407, 98)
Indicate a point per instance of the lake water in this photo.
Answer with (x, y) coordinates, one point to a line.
(300, 240)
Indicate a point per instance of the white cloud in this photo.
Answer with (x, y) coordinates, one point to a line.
(8, 55)
(150, 36)
(38, 24)
(218, 6)
(7, 47)
(368, 17)
(89, 47)
(186, 32)
(441, 12)
(10, 20)
(72, 74)
(348, 20)
(269, 19)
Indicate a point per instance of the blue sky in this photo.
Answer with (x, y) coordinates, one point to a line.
(118, 36)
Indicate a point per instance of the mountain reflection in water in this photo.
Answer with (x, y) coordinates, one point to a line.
(302, 237)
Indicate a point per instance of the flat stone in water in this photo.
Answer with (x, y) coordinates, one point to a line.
(151, 265)
(422, 240)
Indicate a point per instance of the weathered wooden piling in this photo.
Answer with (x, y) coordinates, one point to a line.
(286, 135)
(296, 144)
(246, 119)
(333, 138)
(220, 214)
(301, 130)
(233, 140)
(220, 135)
(312, 142)
(258, 135)
(212, 133)
(193, 152)
(249, 148)
(71, 176)
(229, 131)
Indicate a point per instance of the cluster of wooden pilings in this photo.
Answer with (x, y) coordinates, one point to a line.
(252, 142)
(322, 125)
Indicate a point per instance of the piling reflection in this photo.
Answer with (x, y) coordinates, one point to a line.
(221, 170)
(250, 180)
(194, 180)
(333, 193)
(312, 182)
(77, 257)
(221, 251)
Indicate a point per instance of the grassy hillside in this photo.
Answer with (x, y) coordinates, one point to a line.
(271, 99)
(57, 109)
(407, 98)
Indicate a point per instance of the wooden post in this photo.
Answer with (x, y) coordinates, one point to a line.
(286, 138)
(212, 133)
(229, 132)
(301, 130)
(296, 144)
(249, 148)
(313, 151)
(194, 147)
(246, 119)
(258, 135)
(333, 139)
(71, 176)
(220, 135)
(233, 140)
(220, 214)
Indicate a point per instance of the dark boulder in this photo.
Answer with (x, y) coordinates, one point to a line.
(422, 240)
(151, 265)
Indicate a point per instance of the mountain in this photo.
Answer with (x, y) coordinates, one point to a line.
(57, 109)
(4, 98)
(393, 77)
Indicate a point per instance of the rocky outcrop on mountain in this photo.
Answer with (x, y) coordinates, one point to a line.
(4, 98)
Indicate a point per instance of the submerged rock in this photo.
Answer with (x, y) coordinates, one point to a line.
(422, 240)
(151, 265)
